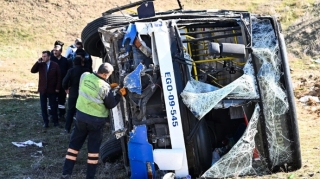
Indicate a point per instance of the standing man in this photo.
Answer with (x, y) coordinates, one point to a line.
(70, 84)
(64, 66)
(57, 42)
(48, 87)
(93, 104)
(85, 56)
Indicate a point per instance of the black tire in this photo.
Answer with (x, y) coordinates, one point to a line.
(199, 151)
(90, 35)
(110, 150)
(203, 147)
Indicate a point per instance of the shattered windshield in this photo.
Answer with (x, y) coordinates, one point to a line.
(240, 160)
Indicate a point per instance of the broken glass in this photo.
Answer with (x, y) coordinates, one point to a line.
(238, 161)
(274, 98)
(201, 98)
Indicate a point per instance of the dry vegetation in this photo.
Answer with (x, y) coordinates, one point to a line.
(30, 26)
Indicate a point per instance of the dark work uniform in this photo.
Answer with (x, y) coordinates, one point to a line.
(64, 65)
(71, 82)
(93, 104)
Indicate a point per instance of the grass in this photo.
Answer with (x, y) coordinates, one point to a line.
(20, 120)
(19, 124)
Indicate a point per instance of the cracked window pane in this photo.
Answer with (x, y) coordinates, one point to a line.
(240, 160)
(273, 96)
(201, 98)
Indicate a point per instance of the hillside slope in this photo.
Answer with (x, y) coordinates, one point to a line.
(37, 23)
(33, 25)
(30, 26)
(303, 37)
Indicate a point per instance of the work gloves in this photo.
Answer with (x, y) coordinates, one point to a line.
(113, 85)
(121, 91)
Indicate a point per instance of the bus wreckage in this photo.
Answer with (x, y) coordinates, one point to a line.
(209, 92)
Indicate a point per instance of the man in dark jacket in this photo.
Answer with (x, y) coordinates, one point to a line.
(70, 84)
(85, 57)
(64, 67)
(93, 104)
(49, 86)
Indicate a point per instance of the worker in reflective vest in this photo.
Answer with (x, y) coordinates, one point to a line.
(95, 99)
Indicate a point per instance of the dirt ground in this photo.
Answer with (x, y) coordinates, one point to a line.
(307, 83)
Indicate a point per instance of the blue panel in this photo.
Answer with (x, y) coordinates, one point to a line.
(133, 80)
(130, 34)
(140, 152)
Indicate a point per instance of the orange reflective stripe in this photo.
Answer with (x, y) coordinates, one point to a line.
(71, 157)
(92, 161)
(73, 151)
(93, 154)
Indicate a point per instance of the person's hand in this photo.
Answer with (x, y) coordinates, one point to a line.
(40, 60)
(67, 91)
(113, 85)
(123, 91)
(57, 91)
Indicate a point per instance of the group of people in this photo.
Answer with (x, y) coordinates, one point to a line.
(55, 77)
(89, 98)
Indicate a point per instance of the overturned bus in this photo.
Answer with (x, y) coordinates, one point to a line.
(209, 92)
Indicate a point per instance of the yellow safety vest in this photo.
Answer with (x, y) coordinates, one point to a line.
(92, 91)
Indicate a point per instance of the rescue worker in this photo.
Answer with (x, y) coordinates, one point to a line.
(95, 99)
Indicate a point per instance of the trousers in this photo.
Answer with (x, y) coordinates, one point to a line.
(61, 103)
(78, 136)
(70, 112)
(53, 105)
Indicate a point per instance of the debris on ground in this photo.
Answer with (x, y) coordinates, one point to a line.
(26, 143)
(309, 99)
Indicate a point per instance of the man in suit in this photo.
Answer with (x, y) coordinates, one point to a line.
(48, 86)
